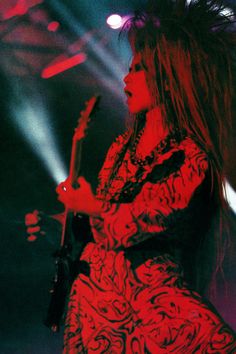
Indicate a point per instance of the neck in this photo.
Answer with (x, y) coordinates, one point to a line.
(154, 123)
(154, 131)
(154, 113)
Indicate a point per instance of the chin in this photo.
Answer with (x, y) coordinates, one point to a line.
(136, 109)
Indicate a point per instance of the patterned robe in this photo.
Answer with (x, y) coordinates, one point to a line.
(135, 299)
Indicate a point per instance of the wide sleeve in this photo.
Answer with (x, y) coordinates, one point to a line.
(126, 224)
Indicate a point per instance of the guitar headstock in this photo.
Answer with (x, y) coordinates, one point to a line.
(84, 118)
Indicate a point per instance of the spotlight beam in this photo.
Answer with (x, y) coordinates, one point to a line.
(116, 70)
(33, 122)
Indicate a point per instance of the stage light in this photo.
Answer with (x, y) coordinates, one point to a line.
(115, 21)
(53, 26)
(20, 8)
(63, 65)
(33, 121)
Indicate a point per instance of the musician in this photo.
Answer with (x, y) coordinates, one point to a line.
(159, 206)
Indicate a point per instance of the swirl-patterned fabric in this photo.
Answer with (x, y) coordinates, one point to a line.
(143, 304)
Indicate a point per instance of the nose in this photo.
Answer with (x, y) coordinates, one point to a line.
(126, 78)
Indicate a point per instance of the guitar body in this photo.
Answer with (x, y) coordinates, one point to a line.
(80, 226)
(68, 266)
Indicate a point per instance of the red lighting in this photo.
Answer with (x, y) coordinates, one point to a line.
(53, 26)
(64, 65)
(20, 9)
(32, 218)
(32, 238)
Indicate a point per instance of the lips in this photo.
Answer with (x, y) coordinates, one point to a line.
(127, 92)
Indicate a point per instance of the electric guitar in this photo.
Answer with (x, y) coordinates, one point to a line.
(76, 232)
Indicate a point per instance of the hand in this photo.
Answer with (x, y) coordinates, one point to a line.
(81, 200)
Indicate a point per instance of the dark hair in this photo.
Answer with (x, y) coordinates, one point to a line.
(187, 50)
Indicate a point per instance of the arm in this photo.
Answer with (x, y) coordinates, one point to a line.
(82, 199)
(125, 224)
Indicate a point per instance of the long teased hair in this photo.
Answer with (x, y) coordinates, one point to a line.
(187, 50)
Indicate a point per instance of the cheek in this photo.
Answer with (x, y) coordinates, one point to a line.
(141, 98)
(143, 87)
(144, 93)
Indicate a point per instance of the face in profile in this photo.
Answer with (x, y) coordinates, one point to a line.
(136, 88)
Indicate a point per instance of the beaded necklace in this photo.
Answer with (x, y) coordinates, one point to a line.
(133, 156)
(165, 144)
(144, 166)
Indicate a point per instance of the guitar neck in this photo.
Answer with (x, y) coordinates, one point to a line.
(75, 162)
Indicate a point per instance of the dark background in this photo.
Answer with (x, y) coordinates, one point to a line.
(38, 117)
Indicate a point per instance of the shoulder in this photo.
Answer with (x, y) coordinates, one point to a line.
(183, 157)
(187, 148)
(194, 153)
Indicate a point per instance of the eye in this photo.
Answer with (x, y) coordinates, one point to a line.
(137, 67)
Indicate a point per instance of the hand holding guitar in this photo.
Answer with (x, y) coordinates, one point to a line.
(80, 200)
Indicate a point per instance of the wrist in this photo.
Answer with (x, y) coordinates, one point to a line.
(97, 208)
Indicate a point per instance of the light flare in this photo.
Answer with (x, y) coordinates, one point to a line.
(230, 196)
(115, 21)
(227, 11)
